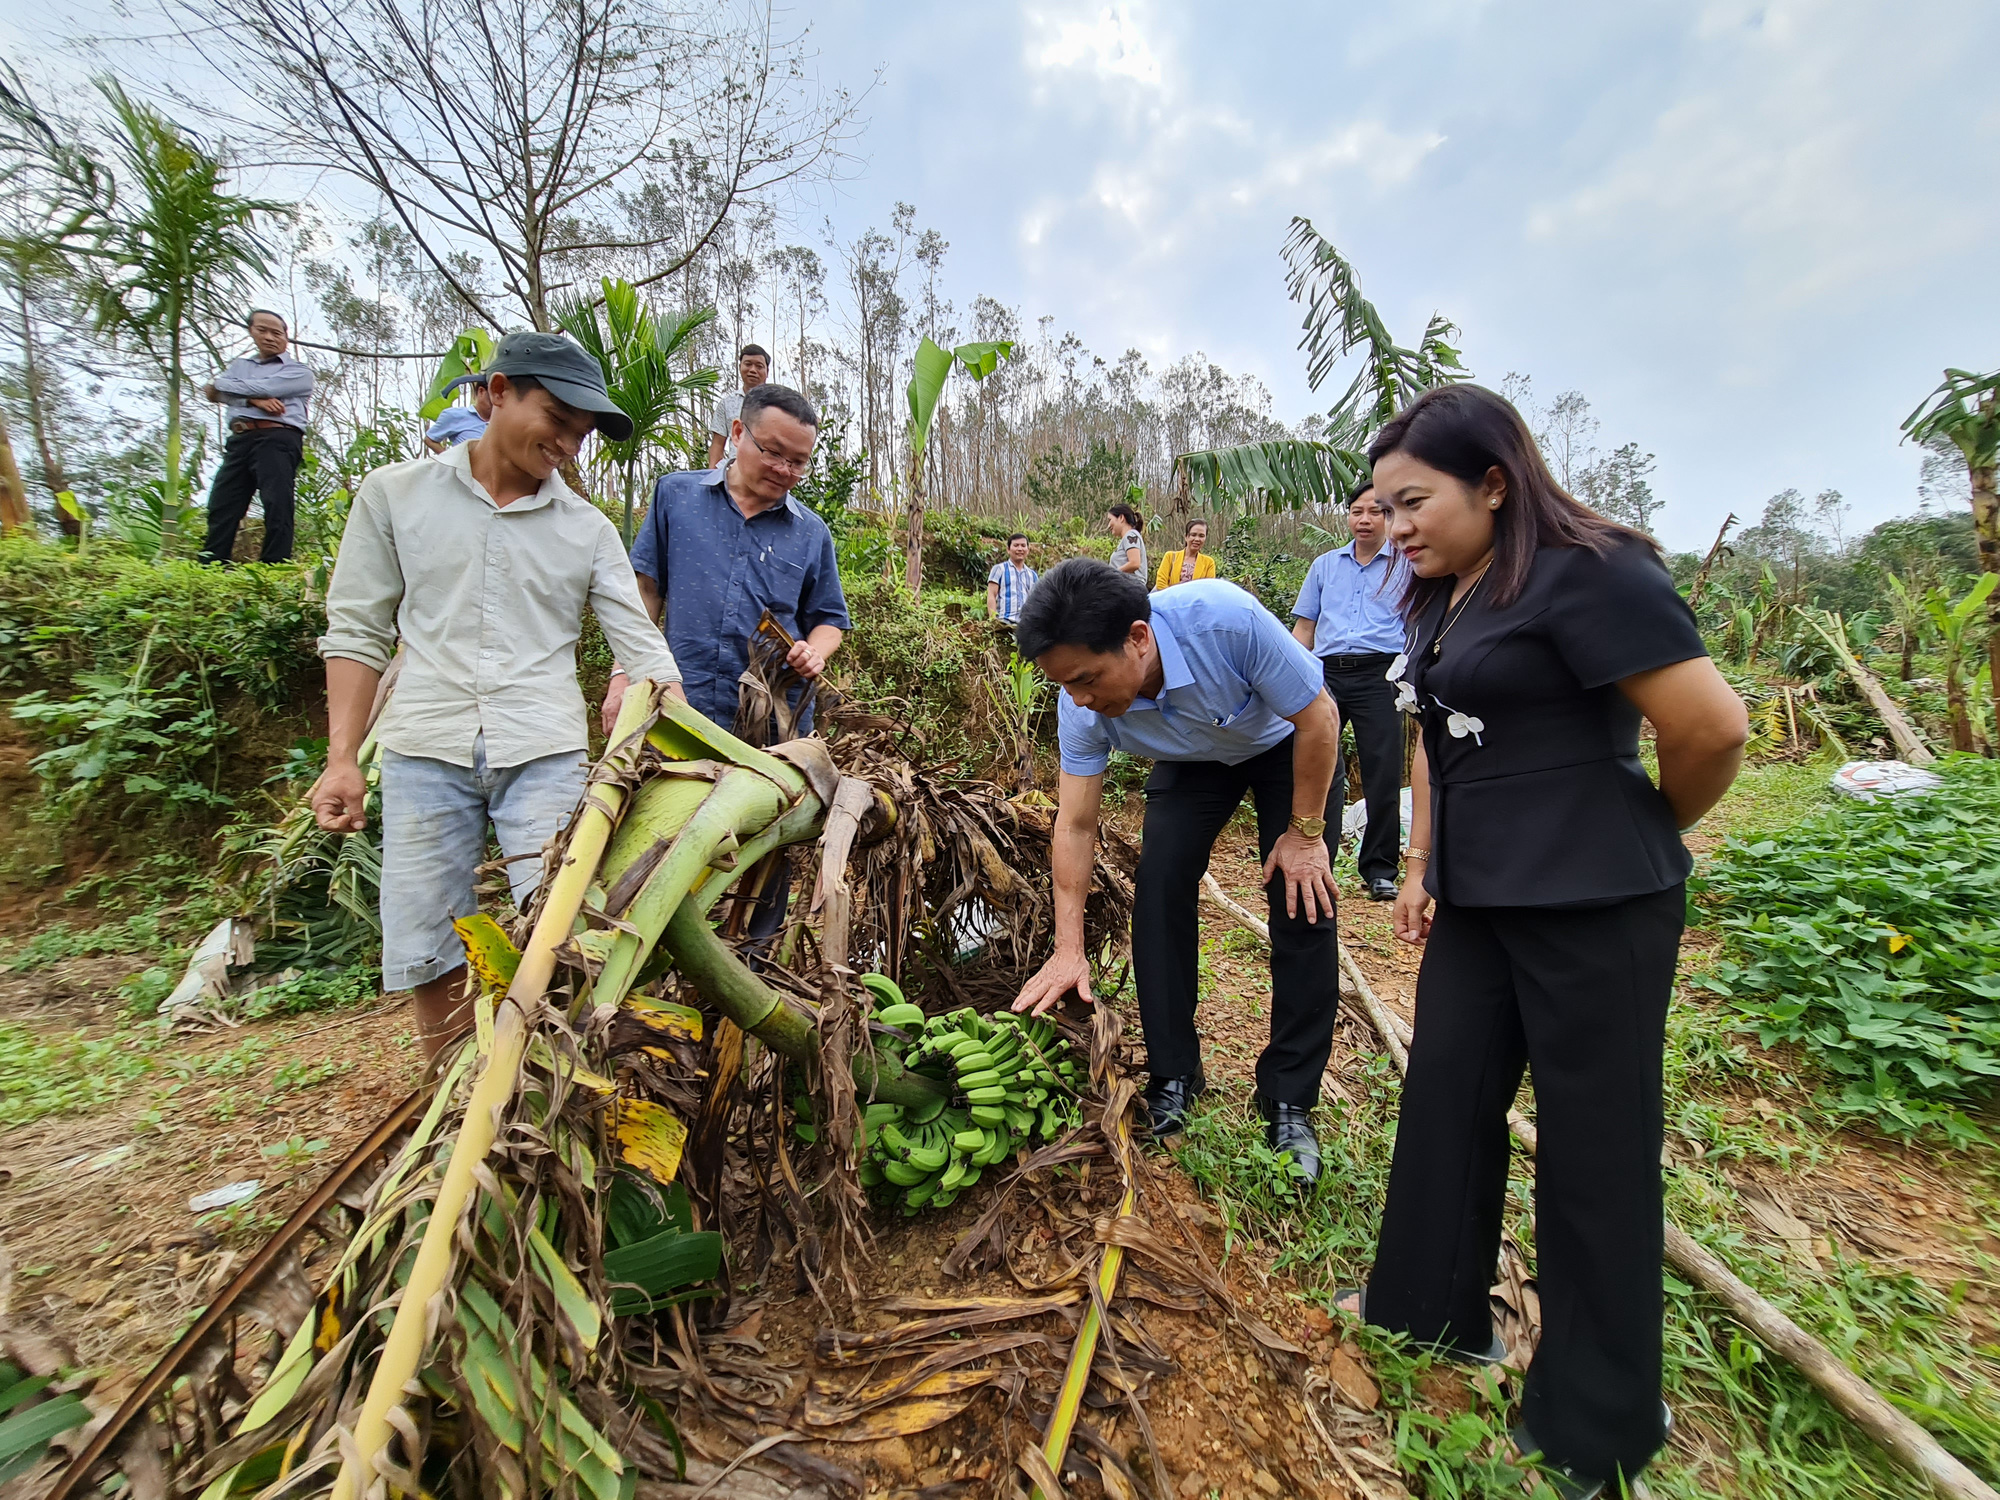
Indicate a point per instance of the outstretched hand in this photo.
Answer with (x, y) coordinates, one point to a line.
(1064, 972)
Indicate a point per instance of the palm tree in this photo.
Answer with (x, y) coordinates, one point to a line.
(1962, 411)
(638, 351)
(1338, 321)
(169, 256)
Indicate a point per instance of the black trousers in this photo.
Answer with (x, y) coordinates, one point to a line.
(1367, 702)
(1187, 804)
(1581, 997)
(256, 461)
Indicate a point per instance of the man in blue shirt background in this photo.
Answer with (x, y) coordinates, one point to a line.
(1204, 680)
(718, 548)
(1350, 615)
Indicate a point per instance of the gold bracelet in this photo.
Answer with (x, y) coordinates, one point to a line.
(1416, 854)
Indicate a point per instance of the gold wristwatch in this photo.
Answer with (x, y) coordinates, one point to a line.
(1312, 828)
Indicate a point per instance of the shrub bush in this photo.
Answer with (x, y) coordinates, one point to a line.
(1870, 936)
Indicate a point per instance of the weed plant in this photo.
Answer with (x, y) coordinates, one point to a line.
(1870, 937)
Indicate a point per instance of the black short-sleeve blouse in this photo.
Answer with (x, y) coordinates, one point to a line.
(1538, 797)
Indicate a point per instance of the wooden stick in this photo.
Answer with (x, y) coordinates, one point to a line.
(1906, 1442)
(1832, 631)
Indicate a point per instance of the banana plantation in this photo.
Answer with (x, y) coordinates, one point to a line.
(696, 1206)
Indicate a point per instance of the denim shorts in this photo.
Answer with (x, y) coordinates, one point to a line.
(434, 817)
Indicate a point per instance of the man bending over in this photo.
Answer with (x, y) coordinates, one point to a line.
(1204, 680)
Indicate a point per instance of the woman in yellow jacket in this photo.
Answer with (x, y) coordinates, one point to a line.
(1190, 562)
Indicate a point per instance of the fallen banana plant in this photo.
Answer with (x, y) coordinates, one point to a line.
(514, 1310)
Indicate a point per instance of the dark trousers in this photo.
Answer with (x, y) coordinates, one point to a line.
(1581, 997)
(256, 461)
(1367, 702)
(1187, 804)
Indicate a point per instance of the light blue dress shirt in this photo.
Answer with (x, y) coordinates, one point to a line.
(456, 424)
(1234, 677)
(254, 375)
(1354, 610)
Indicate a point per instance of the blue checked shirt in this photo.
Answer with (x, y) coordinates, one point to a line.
(1355, 610)
(718, 573)
(1234, 678)
(1015, 584)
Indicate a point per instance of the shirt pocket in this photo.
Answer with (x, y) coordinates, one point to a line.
(1224, 720)
(778, 581)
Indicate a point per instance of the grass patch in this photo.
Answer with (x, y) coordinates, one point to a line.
(59, 942)
(61, 1075)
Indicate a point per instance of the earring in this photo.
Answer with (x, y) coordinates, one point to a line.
(1492, 504)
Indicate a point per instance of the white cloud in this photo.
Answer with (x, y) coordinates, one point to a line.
(1109, 44)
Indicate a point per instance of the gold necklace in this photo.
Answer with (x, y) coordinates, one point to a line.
(1437, 644)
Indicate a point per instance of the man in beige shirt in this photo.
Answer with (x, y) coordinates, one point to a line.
(483, 561)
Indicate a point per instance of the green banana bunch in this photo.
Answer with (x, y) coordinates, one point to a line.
(1012, 1081)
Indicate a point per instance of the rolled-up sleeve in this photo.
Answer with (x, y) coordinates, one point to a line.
(367, 586)
(635, 640)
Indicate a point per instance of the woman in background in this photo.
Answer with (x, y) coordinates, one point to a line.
(1190, 562)
(1128, 552)
(1540, 635)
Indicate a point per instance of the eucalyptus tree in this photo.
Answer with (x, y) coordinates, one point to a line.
(1965, 411)
(51, 190)
(529, 128)
(639, 350)
(1339, 321)
(173, 254)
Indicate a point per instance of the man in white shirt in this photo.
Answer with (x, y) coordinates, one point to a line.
(483, 561)
(753, 368)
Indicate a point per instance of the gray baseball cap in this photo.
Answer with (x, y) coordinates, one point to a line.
(567, 370)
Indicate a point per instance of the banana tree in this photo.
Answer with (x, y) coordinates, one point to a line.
(1954, 627)
(933, 367)
(638, 349)
(470, 353)
(1965, 411)
(1338, 321)
(173, 254)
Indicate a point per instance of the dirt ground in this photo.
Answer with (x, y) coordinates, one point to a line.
(96, 1216)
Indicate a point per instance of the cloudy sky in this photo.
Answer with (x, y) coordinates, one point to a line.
(1752, 234)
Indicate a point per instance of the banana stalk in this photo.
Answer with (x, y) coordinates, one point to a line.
(1062, 1422)
(726, 982)
(404, 1348)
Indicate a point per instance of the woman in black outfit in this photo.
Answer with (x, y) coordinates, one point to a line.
(1539, 635)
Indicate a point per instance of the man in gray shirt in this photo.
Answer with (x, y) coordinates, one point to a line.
(265, 395)
(753, 368)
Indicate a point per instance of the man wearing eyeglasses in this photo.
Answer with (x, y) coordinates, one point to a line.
(720, 546)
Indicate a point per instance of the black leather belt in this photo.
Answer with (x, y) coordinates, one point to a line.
(1365, 659)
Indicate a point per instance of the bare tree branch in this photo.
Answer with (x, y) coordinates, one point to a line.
(517, 127)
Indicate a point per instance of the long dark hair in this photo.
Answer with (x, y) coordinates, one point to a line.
(1466, 431)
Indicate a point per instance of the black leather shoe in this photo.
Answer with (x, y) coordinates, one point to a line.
(1288, 1127)
(1167, 1102)
(1382, 888)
